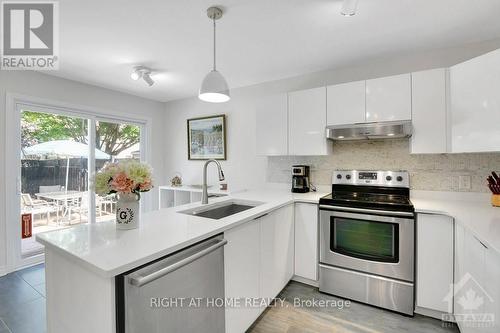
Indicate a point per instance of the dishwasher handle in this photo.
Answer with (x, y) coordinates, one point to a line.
(141, 281)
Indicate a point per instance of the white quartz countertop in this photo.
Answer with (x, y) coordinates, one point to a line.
(110, 252)
(473, 210)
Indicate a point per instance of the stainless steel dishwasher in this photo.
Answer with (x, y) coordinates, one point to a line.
(179, 293)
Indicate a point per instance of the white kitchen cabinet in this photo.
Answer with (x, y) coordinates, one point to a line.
(470, 290)
(492, 287)
(258, 262)
(272, 125)
(277, 251)
(306, 241)
(346, 103)
(477, 291)
(242, 274)
(475, 104)
(388, 98)
(434, 261)
(429, 112)
(307, 122)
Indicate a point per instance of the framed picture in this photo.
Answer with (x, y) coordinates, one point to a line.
(207, 138)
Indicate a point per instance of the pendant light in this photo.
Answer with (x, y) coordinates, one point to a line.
(214, 87)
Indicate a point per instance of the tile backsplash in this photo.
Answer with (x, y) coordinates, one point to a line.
(433, 172)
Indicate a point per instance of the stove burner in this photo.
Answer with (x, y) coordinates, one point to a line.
(370, 190)
(375, 198)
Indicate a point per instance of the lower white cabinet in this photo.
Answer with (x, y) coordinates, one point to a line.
(477, 291)
(434, 262)
(277, 249)
(258, 263)
(241, 274)
(306, 240)
(492, 287)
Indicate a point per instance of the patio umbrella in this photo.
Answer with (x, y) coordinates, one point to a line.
(64, 149)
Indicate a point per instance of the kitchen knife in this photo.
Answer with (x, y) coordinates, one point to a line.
(495, 176)
(493, 188)
(491, 181)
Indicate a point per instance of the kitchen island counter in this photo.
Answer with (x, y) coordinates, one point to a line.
(109, 252)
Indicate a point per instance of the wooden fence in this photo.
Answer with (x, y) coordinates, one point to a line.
(36, 173)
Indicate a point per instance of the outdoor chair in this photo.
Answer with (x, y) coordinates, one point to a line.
(108, 200)
(38, 207)
(83, 206)
(50, 188)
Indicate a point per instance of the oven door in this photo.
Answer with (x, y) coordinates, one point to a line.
(358, 239)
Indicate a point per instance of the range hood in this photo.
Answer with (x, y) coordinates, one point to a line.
(364, 131)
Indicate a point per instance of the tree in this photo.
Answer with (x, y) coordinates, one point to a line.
(42, 127)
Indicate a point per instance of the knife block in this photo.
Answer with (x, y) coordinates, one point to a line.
(495, 200)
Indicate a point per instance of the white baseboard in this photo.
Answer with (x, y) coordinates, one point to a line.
(3, 271)
(310, 282)
(430, 313)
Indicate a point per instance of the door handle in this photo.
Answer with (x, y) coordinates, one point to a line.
(141, 281)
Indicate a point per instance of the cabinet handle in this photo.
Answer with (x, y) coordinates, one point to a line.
(480, 242)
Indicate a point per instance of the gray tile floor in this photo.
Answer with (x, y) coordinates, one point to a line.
(22, 310)
(22, 301)
(357, 318)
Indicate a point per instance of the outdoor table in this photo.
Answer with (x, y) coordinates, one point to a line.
(61, 199)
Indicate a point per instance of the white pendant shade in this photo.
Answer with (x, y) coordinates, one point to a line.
(214, 88)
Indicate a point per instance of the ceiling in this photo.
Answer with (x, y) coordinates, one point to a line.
(258, 40)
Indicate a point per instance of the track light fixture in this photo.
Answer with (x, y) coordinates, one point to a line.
(349, 7)
(142, 72)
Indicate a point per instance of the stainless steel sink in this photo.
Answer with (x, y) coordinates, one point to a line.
(222, 209)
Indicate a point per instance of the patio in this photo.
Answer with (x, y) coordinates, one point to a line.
(56, 210)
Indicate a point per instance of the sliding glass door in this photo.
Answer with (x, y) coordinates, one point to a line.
(119, 140)
(59, 151)
(54, 174)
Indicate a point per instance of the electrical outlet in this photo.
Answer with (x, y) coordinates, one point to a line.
(464, 183)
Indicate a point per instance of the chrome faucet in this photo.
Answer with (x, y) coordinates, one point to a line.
(204, 193)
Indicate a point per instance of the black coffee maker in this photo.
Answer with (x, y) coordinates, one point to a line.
(300, 178)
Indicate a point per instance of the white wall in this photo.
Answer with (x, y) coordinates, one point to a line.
(71, 92)
(243, 168)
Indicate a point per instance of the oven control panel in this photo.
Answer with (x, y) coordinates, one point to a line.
(372, 178)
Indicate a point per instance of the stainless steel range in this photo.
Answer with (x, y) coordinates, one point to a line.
(367, 245)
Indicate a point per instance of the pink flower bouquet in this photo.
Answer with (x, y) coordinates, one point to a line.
(124, 177)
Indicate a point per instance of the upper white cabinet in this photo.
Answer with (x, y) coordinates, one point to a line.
(346, 103)
(306, 240)
(434, 261)
(307, 122)
(429, 112)
(388, 98)
(475, 104)
(277, 251)
(272, 125)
